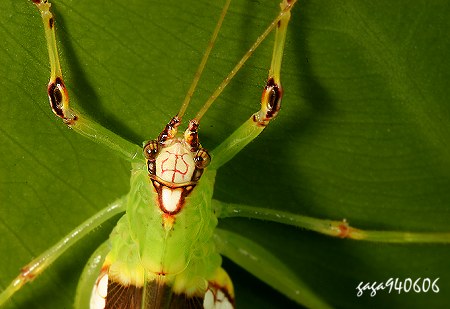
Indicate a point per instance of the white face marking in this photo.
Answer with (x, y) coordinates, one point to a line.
(170, 198)
(99, 292)
(175, 163)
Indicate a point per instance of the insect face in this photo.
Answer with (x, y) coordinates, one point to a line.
(175, 164)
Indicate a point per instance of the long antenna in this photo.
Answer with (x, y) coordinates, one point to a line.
(238, 66)
(200, 68)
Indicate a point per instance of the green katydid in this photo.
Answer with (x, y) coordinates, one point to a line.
(161, 254)
(222, 155)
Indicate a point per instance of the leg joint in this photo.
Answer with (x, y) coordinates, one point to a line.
(59, 101)
(270, 103)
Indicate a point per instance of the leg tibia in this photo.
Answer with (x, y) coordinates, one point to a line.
(273, 92)
(280, 37)
(271, 96)
(59, 97)
(57, 91)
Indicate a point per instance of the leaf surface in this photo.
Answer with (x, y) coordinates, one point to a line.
(363, 134)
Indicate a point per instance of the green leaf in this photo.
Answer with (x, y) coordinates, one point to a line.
(363, 134)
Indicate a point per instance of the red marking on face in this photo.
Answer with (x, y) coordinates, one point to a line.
(179, 164)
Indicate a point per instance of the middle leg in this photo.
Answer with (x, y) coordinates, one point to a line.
(43, 261)
(334, 228)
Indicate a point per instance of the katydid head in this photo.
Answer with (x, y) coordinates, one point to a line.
(175, 164)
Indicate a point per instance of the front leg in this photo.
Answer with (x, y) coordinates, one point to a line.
(59, 97)
(270, 100)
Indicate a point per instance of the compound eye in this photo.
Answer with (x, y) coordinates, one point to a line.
(202, 159)
(151, 150)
